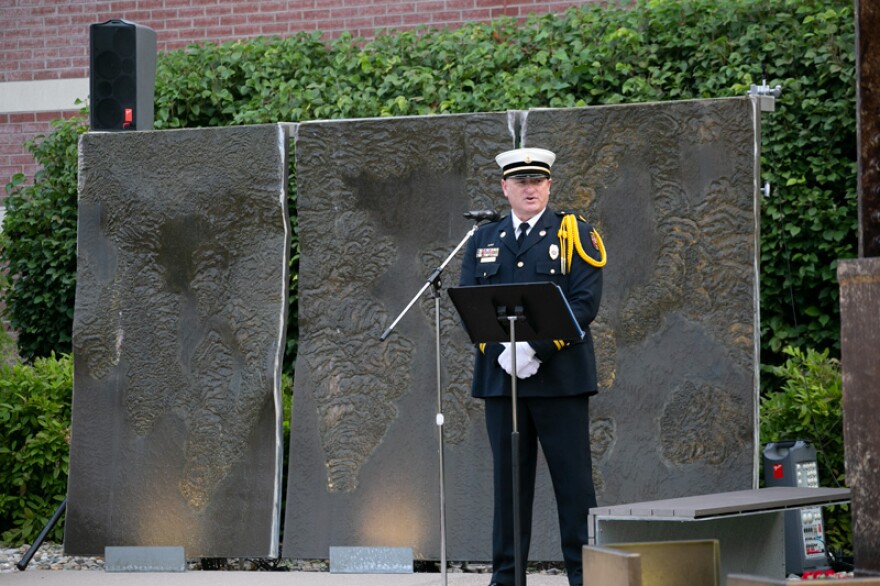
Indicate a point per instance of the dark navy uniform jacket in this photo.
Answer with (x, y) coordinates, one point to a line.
(569, 370)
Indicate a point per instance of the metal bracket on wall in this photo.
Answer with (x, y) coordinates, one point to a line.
(766, 95)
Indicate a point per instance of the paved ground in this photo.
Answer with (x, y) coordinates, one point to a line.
(203, 578)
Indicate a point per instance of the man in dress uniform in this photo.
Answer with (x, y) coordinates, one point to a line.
(555, 377)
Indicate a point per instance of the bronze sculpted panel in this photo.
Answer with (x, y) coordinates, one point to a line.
(178, 332)
(672, 189)
(380, 206)
(180, 323)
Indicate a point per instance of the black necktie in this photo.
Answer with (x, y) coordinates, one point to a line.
(522, 234)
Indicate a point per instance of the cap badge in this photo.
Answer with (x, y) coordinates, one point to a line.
(528, 160)
(554, 252)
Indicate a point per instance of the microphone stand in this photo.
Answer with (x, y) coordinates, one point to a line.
(26, 558)
(433, 281)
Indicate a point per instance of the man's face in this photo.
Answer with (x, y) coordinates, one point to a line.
(527, 196)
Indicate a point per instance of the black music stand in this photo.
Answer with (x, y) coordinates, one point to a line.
(523, 312)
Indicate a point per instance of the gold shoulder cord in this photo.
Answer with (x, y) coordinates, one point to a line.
(570, 239)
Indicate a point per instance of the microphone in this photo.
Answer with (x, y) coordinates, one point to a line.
(480, 215)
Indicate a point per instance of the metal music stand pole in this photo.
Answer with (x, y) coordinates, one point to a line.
(514, 454)
(433, 281)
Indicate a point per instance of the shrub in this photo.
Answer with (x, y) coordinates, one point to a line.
(38, 244)
(809, 406)
(34, 445)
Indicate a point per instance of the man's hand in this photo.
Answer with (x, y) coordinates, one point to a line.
(527, 362)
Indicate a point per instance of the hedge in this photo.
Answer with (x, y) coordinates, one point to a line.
(650, 50)
(34, 446)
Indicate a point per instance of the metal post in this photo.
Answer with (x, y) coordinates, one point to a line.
(859, 301)
(868, 107)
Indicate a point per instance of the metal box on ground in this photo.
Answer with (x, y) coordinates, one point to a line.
(793, 463)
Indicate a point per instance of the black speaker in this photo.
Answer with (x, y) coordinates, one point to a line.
(122, 75)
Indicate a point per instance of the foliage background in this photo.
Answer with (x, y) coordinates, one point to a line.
(809, 407)
(34, 445)
(656, 50)
(647, 50)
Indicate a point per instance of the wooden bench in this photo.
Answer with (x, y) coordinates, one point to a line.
(749, 524)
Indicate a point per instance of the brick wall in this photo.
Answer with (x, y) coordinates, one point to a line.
(15, 130)
(48, 39)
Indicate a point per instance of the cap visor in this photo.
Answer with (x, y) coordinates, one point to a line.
(528, 175)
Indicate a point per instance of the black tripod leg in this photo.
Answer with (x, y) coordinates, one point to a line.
(26, 558)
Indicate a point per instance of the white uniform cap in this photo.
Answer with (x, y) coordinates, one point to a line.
(526, 162)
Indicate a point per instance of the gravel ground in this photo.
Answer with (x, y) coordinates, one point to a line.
(51, 556)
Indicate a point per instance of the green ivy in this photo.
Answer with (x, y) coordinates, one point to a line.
(598, 53)
(34, 446)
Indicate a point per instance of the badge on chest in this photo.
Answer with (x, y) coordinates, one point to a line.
(489, 254)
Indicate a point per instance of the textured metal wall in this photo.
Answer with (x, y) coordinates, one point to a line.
(672, 188)
(380, 205)
(178, 333)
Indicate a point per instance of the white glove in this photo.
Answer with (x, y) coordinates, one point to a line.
(504, 358)
(527, 362)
